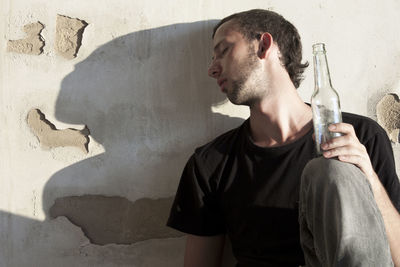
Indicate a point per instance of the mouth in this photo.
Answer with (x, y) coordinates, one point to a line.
(221, 83)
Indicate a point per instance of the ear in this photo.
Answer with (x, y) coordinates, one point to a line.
(265, 45)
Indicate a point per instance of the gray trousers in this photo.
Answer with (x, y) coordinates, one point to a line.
(340, 224)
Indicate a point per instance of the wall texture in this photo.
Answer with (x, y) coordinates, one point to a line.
(102, 102)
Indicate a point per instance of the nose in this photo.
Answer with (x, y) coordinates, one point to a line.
(215, 69)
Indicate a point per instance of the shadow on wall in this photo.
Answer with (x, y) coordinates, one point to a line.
(146, 98)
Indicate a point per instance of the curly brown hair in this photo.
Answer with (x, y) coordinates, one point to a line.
(253, 23)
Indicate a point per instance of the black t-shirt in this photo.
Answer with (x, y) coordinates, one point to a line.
(232, 186)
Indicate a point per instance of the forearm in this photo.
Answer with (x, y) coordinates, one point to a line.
(204, 251)
(391, 218)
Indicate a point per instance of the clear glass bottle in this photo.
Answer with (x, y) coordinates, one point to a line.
(325, 100)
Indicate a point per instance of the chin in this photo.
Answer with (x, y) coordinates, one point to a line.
(236, 101)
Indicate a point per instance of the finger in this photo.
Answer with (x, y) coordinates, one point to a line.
(343, 151)
(342, 128)
(339, 141)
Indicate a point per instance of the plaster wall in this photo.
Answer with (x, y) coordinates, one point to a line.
(135, 90)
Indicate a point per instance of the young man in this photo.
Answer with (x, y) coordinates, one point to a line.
(261, 183)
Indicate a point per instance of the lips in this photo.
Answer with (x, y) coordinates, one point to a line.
(221, 82)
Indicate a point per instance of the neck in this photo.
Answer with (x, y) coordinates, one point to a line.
(279, 118)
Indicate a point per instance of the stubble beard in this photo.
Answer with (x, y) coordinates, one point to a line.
(246, 89)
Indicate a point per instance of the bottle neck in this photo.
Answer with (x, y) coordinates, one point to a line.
(321, 71)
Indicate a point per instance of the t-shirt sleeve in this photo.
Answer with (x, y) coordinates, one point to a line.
(381, 153)
(195, 209)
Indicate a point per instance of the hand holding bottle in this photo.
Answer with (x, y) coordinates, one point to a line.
(347, 148)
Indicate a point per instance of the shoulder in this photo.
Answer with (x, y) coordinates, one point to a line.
(365, 128)
(222, 146)
(207, 162)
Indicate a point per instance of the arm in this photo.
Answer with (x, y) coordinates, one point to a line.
(349, 149)
(390, 216)
(204, 251)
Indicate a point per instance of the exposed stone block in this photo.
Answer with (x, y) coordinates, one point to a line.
(388, 113)
(50, 137)
(69, 33)
(107, 220)
(32, 45)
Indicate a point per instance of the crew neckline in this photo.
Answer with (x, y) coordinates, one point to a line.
(280, 148)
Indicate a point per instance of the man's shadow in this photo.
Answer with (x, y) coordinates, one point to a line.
(146, 98)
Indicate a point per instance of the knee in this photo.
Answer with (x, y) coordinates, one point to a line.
(320, 167)
(331, 171)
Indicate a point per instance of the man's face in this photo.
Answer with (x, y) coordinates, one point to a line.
(235, 65)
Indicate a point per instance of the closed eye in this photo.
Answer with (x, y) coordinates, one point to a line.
(224, 51)
(219, 55)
